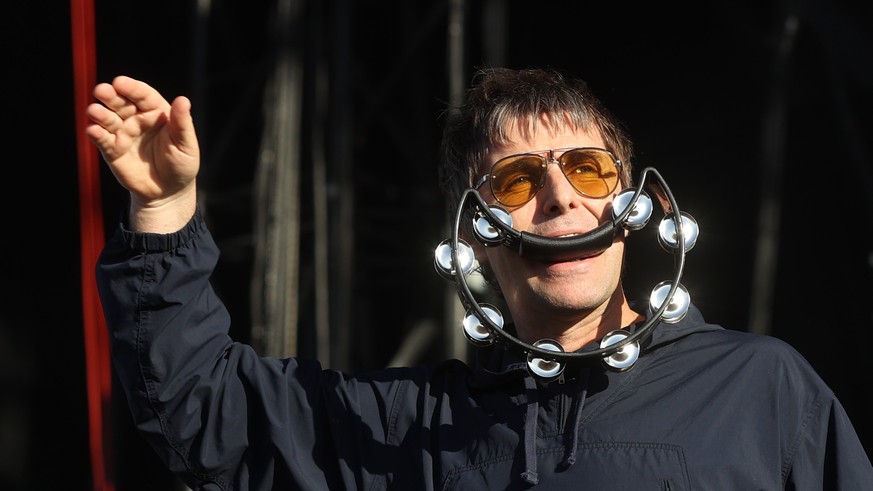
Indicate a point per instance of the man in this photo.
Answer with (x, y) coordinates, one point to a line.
(702, 408)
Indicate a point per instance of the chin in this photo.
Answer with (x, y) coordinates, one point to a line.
(573, 300)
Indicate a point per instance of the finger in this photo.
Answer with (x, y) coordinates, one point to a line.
(109, 144)
(142, 95)
(107, 119)
(110, 98)
(104, 92)
(99, 136)
(106, 131)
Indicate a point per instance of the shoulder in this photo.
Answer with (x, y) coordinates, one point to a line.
(753, 348)
(695, 336)
(753, 360)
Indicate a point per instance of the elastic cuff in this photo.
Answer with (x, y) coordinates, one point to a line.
(152, 242)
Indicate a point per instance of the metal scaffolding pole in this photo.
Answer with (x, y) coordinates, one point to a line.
(772, 170)
(456, 343)
(277, 209)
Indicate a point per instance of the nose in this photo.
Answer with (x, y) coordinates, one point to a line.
(557, 195)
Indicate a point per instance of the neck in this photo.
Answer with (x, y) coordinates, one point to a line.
(577, 328)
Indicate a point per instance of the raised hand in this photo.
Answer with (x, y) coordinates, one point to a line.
(151, 148)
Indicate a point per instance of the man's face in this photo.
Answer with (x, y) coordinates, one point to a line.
(535, 290)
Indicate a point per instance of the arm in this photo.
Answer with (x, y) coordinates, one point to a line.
(213, 410)
(151, 148)
(208, 406)
(829, 454)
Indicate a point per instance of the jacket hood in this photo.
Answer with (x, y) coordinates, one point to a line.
(692, 323)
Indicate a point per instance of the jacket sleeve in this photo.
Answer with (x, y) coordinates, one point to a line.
(829, 454)
(215, 411)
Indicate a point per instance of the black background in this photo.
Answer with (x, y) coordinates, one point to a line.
(695, 85)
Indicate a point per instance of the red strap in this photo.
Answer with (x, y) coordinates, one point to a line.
(97, 368)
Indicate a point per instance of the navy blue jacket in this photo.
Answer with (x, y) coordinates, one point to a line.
(704, 408)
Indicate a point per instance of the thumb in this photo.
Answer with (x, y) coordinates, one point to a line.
(182, 126)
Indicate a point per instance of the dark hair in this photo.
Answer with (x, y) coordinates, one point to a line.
(500, 97)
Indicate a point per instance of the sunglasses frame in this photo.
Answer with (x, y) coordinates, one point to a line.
(548, 157)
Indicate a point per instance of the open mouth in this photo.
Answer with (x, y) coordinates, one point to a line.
(568, 259)
(566, 245)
